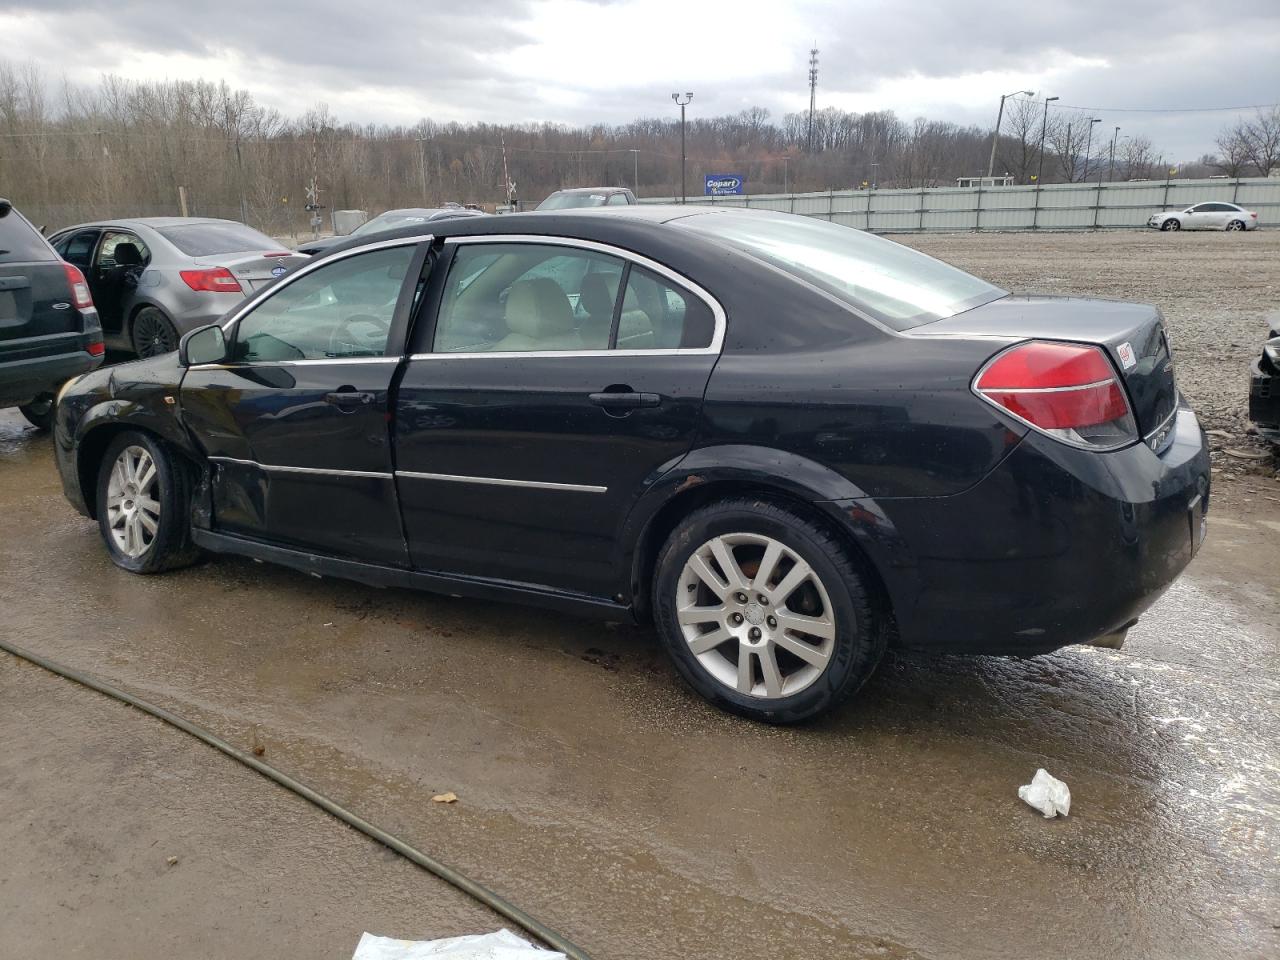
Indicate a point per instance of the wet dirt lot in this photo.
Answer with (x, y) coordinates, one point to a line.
(599, 794)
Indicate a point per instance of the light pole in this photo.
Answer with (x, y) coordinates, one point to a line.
(1112, 168)
(682, 103)
(635, 166)
(422, 164)
(1087, 147)
(785, 181)
(1044, 126)
(995, 136)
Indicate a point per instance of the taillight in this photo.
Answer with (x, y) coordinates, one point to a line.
(97, 348)
(1067, 390)
(212, 280)
(80, 295)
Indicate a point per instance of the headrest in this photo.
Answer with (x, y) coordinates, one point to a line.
(597, 299)
(128, 255)
(538, 309)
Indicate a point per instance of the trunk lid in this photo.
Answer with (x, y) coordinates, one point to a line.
(256, 270)
(1131, 333)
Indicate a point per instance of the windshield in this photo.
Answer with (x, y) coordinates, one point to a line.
(895, 284)
(210, 239)
(386, 221)
(566, 201)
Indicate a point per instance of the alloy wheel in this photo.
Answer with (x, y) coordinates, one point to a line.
(755, 615)
(133, 506)
(152, 335)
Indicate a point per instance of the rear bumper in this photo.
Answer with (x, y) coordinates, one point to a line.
(1056, 546)
(24, 380)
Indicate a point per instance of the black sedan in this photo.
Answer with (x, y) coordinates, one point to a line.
(1264, 384)
(786, 443)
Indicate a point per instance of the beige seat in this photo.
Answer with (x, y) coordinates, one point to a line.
(538, 317)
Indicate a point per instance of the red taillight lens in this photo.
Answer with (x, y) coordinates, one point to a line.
(212, 280)
(1067, 390)
(97, 348)
(80, 295)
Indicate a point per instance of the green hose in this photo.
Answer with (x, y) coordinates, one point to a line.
(430, 864)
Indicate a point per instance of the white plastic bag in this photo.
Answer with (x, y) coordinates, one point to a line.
(503, 945)
(1047, 794)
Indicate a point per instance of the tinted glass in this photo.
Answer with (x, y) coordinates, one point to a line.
(210, 239)
(20, 242)
(78, 248)
(895, 284)
(343, 309)
(388, 221)
(522, 297)
(658, 316)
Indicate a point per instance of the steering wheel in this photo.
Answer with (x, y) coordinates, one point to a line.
(346, 341)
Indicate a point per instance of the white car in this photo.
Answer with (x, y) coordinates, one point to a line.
(1205, 216)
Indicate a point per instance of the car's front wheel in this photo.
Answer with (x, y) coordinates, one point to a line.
(144, 505)
(1171, 224)
(764, 612)
(39, 412)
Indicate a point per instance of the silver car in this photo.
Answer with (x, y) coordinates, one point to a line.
(154, 278)
(1205, 216)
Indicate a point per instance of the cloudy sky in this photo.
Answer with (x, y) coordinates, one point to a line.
(612, 60)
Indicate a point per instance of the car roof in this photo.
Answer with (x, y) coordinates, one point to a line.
(152, 222)
(592, 190)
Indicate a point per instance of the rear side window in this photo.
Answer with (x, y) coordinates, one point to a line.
(20, 242)
(107, 255)
(658, 316)
(212, 239)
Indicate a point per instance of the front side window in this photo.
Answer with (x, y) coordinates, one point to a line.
(77, 248)
(891, 282)
(520, 297)
(343, 309)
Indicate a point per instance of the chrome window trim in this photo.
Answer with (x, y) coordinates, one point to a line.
(679, 280)
(278, 468)
(254, 301)
(500, 482)
(293, 363)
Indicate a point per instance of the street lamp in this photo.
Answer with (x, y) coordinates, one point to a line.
(682, 102)
(1088, 145)
(422, 164)
(1044, 126)
(1112, 169)
(635, 167)
(991, 164)
(785, 168)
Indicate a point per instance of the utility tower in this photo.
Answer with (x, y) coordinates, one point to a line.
(813, 92)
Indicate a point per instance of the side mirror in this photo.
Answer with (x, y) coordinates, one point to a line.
(202, 345)
(5, 207)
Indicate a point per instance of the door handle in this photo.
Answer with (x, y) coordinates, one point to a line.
(348, 397)
(621, 400)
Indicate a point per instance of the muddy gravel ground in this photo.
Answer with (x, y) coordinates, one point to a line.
(602, 796)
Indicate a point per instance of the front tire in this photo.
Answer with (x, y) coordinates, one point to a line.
(765, 613)
(152, 333)
(1171, 224)
(144, 505)
(39, 412)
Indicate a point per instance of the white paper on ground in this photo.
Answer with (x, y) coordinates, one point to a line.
(1047, 794)
(503, 945)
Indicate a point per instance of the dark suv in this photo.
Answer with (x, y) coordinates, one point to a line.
(49, 330)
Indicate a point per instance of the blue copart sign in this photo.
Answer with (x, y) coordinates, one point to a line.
(723, 184)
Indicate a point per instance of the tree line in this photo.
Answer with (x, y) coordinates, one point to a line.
(127, 148)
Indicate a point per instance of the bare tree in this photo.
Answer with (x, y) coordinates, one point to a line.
(1261, 138)
(1019, 148)
(1233, 153)
(1135, 160)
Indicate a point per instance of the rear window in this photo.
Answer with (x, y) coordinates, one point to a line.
(894, 284)
(210, 239)
(20, 242)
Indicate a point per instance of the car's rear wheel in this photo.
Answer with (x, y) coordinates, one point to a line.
(144, 505)
(39, 412)
(1171, 224)
(1235, 225)
(764, 612)
(152, 333)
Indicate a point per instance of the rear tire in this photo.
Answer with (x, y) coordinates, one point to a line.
(39, 412)
(1171, 224)
(152, 333)
(1235, 225)
(144, 505)
(806, 636)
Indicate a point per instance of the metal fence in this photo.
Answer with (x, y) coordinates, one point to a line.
(1055, 206)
